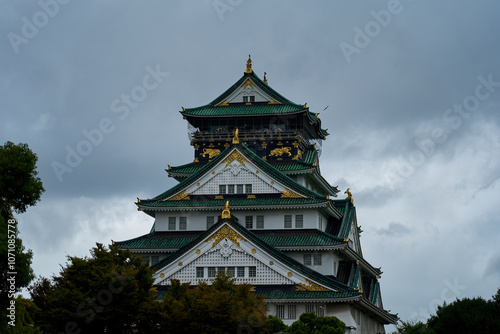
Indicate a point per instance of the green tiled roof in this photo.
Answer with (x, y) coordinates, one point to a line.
(241, 110)
(278, 255)
(283, 166)
(306, 294)
(299, 238)
(159, 240)
(233, 202)
(254, 158)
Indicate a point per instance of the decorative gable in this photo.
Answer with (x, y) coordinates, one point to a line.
(224, 248)
(248, 92)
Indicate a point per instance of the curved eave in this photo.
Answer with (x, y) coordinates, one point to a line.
(385, 316)
(241, 111)
(365, 266)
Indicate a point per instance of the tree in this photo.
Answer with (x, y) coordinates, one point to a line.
(275, 324)
(19, 184)
(309, 323)
(19, 188)
(412, 327)
(474, 315)
(222, 307)
(111, 291)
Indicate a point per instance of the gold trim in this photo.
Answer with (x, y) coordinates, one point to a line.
(249, 65)
(265, 79)
(236, 155)
(289, 274)
(183, 195)
(236, 139)
(180, 263)
(248, 82)
(198, 251)
(349, 196)
(289, 194)
(278, 152)
(272, 101)
(250, 196)
(254, 250)
(225, 232)
(226, 214)
(162, 275)
(211, 152)
(224, 104)
(271, 263)
(311, 286)
(219, 197)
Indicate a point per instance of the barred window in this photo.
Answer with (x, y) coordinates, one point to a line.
(245, 99)
(200, 272)
(210, 221)
(309, 308)
(248, 188)
(171, 223)
(211, 271)
(239, 189)
(222, 189)
(288, 221)
(241, 271)
(230, 188)
(299, 221)
(249, 222)
(292, 311)
(221, 270)
(155, 259)
(252, 271)
(307, 259)
(145, 259)
(280, 311)
(230, 271)
(182, 223)
(317, 259)
(260, 221)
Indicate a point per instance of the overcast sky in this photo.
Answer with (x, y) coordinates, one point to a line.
(413, 96)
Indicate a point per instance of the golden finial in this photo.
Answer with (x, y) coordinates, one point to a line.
(305, 105)
(183, 109)
(138, 200)
(249, 65)
(236, 139)
(328, 196)
(265, 79)
(349, 195)
(226, 213)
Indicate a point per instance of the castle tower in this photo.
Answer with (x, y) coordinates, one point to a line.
(253, 203)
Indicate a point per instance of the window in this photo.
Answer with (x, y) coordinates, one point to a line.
(145, 259)
(182, 223)
(230, 188)
(321, 223)
(288, 221)
(249, 222)
(200, 272)
(299, 221)
(155, 259)
(292, 311)
(239, 189)
(252, 98)
(252, 271)
(318, 309)
(241, 272)
(260, 221)
(312, 259)
(211, 271)
(221, 270)
(280, 311)
(210, 221)
(222, 189)
(245, 99)
(248, 188)
(171, 223)
(230, 271)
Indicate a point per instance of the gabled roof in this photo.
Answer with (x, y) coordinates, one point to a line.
(168, 196)
(273, 252)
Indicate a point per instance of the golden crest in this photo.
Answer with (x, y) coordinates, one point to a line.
(289, 194)
(278, 152)
(310, 286)
(235, 156)
(226, 232)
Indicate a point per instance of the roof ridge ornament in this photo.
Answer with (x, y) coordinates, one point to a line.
(236, 139)
(349, 195)
(265, 79)
(249, 65)
(226, 214)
